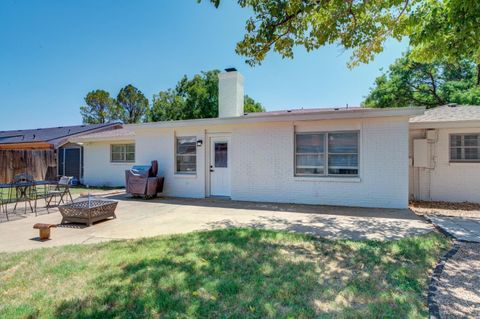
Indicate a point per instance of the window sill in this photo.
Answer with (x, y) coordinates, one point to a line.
(328, 179)
(464, 164)
(180, 175)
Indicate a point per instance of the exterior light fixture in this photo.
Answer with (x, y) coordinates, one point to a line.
(199, 143)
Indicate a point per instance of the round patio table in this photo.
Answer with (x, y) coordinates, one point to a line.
(20, 191)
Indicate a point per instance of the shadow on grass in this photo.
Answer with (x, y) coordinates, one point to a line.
(245, 273)
(332, 227)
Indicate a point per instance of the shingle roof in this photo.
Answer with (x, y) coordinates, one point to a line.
(118, 134)
(449, 113)
(52, 135)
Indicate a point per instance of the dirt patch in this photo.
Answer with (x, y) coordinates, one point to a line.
(465, 209)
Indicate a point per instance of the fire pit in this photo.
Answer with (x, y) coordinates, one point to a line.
(88, 210)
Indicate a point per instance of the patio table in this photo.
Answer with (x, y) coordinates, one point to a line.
(20, 191)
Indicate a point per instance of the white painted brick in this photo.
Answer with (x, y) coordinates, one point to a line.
(262, 166)
(98, 170)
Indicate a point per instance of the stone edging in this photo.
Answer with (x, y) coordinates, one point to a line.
(433, 308)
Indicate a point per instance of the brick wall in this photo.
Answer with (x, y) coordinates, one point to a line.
(452, 182)
(263, 166)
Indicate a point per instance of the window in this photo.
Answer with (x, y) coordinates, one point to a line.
(221, 154)
(465, 147)
(122, 152)
(186, 155)
(326, 154)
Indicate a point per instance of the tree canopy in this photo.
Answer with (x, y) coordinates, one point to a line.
(133, 104)
(100, 108)
(193, 98)
(443, 30)
(410, 83)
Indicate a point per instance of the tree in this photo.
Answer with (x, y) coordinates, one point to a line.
(100, 108)
(447, 30)
(410, 83)
(133, 104)
(437, 28)
(251, 106)
(193, 98)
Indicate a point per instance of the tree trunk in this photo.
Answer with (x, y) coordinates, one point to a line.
(478, 74)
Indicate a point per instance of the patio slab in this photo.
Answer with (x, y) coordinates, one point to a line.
(146, 218)
(462, 228)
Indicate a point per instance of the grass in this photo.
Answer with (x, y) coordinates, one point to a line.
(232, 273)
(75, 190)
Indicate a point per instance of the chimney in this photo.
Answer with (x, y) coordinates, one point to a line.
(230, 93)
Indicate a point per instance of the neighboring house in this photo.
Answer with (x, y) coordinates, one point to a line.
(445, 154)
(341, 156)
(45, 152)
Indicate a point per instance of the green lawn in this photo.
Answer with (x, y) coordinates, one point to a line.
(233, 273)
(73, 190)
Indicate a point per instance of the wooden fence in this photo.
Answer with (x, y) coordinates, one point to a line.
(41, 164)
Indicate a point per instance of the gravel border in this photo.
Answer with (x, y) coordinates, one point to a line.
(432, 298)
(433, 308)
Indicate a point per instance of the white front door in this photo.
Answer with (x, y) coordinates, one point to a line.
(220, 166)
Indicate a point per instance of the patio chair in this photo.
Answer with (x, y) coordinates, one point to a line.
(3, 202)
(61, 189)
(23, 177)
(24, 182)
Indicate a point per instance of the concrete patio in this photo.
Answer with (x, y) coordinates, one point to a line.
(145, 218)
(462, 228)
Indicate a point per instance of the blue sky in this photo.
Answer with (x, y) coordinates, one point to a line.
(53, 52)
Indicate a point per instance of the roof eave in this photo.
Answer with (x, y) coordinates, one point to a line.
(322, 115)
(445, 124)
(26, 146)
(59, 142)
(86, 139)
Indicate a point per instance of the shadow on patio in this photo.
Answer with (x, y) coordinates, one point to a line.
(406, 214)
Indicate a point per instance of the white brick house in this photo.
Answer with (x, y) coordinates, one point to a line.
(353, 157)
(445, 154)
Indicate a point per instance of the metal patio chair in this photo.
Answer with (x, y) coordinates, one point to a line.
(61, 189)
(4, 201)
(23, 184)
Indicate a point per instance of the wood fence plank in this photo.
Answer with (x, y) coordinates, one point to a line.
(41, 164)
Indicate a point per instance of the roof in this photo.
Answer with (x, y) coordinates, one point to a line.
(54, 136)
(448, 115)
(128, 131)
(125, 133)
(290, 115)
(302, 111)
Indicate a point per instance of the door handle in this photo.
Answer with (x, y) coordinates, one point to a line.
(211, 170)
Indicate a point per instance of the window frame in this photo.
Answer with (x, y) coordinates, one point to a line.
(177, 172)
(326, 153)
(450, 147)
(124, 153)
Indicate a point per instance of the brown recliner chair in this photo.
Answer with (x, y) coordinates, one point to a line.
(144, 183)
